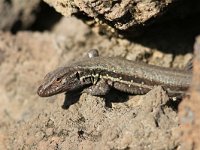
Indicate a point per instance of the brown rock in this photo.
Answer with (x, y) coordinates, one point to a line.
(125, 17)
(189, 110)
(15, 13)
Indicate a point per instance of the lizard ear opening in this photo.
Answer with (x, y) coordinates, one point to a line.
(77, 75)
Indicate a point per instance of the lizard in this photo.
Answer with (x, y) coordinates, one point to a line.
(97, 75)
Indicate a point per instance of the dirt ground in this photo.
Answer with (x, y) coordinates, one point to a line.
(119, 121)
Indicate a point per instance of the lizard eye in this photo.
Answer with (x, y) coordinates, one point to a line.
(58, 79)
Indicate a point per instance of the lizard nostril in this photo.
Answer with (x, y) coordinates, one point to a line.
(40, 91)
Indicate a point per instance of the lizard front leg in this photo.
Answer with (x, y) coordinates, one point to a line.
(101, 88)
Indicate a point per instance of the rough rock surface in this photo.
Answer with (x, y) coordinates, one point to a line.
(189, 109)
(111, 15)
(141, 123)
(15, 13)
(123, 17)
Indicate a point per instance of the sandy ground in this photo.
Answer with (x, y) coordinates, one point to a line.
(119, 121)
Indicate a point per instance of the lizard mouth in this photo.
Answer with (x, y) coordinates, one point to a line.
(44, 92)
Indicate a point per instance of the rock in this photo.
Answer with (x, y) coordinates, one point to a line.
(127, 18)
(189, 109)
(15, 14)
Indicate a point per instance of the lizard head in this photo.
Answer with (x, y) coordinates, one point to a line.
(63, 79)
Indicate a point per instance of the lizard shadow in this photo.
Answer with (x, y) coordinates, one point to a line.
(114, 96)
(70, 99)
